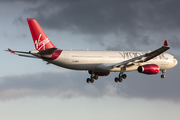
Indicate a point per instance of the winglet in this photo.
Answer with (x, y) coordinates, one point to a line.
(166, 43)
(11, 51)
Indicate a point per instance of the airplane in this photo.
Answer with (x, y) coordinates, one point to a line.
(98, 63)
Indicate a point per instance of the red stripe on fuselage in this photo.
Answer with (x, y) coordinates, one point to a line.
(53, 56)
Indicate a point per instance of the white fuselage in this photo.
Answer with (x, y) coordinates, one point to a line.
(90, 60)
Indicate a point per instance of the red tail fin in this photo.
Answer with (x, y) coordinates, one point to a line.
(41, 41)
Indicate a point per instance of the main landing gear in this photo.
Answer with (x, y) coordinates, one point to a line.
(120, 78)
(91, 79)
(121, 75)
(163, 76)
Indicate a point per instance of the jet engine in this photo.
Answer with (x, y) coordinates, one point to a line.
(149, 69)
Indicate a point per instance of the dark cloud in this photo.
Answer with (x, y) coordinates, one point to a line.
(70, 84)
(73, 84)
(27, 1)
(91, 17)
(139, 22)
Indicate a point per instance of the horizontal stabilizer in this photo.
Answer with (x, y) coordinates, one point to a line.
(48, 51)
(11, 51)
(21, 53)
(14, 52)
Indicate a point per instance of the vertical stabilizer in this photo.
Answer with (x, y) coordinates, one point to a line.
(41, 41)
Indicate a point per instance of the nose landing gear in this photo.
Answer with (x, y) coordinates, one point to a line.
(163, 76)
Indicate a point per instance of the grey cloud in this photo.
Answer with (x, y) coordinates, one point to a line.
(73, 84)
(137, 20)
(27, 1)
(47, 84)
(140, 22)
(88, 17)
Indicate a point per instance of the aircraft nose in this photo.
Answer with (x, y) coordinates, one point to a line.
(175, 62)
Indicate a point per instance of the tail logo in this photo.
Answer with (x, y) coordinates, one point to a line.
(39, 44)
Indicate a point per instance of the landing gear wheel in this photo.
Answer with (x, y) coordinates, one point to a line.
(96, 77)
(92, 80)
(88, 80)
(116, 79)
(163, 76)
(120, 79)
(124, 76)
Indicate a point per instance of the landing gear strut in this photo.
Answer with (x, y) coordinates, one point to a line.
(91, 79)
(121, 75)
(163, 76)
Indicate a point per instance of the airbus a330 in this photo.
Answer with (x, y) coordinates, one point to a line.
(98, 63)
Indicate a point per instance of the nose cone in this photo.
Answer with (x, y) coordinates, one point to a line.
(176, 62)
(172, 63)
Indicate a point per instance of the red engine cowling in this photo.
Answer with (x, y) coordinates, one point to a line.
(102, 73)
(149, 69)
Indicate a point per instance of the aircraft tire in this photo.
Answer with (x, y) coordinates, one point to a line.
(96, 77)
(88, 80)
(120, 79)
(116, 79)
(163, 76)
(124, 76)
(92, 80)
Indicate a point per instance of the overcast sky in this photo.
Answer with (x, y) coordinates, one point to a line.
(30, 89)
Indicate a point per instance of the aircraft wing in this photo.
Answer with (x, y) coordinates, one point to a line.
(139, 59)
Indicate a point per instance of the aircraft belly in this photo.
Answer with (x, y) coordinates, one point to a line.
(74, 64)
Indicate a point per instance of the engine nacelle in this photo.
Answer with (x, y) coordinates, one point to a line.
(149, 69)
(102, 73)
